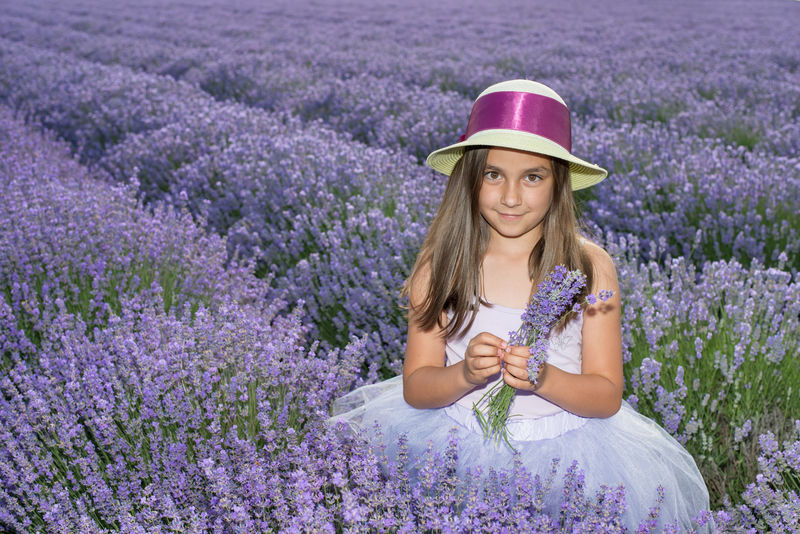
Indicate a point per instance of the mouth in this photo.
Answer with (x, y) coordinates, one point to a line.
(509, 216)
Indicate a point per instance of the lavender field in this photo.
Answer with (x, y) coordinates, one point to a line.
(208, 210)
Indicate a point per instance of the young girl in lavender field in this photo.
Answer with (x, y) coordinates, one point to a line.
(506, 220)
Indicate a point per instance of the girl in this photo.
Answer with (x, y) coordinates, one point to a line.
(506, 220)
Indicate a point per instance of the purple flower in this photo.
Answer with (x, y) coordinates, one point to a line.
(538, 356)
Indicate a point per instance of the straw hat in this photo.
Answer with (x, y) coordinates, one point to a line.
(524, 115)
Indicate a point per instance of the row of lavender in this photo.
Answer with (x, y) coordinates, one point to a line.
(148, 387)
(683, 136)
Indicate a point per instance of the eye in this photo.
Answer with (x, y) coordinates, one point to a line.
(491, 176)
(533, 178)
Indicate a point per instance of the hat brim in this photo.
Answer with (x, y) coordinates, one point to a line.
(582, 173)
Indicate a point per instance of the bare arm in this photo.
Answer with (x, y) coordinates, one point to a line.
(427, 382)
(597, 391)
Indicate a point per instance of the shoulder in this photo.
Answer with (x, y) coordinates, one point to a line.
(603, 264)
(597, 254)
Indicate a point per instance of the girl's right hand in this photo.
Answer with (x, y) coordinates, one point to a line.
(482, 358)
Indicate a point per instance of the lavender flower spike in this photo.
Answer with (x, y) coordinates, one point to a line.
(538, 356)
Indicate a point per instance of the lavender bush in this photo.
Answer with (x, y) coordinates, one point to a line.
(318, 215)
(85, 248)
(110, 390)
(708, 200)
(712, 356)
(772, 502)
(91, 106)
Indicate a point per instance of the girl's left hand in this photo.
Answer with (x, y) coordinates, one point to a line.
(515, 370)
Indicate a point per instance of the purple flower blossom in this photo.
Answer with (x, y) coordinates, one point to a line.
(604, 295)
(538, 356)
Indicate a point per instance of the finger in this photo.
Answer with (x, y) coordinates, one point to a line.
(485, 363)
(488, 338)
(490, 371)
(481, 350)
(519, 350)
(517, 372)
(516, 361)
(515, 382)
(482, 376)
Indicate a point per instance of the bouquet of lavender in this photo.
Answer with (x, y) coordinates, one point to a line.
(553, 302)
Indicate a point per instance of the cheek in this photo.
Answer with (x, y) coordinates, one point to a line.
(541, 202)
(486, 197)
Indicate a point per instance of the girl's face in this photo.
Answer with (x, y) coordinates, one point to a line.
(516, 192)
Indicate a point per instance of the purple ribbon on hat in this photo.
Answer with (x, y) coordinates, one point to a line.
(518, 110)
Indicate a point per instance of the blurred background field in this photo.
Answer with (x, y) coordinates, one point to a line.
(209, 209)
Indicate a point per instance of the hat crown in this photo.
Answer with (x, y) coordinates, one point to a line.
(523, 86)
(522, 107)
(521, 115)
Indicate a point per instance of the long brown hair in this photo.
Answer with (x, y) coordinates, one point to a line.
(458, 237)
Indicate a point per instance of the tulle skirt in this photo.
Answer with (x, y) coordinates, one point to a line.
(626, 448)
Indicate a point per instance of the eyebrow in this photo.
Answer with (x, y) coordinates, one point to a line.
(541, 170)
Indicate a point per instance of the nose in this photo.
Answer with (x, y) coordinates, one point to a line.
(511, 194)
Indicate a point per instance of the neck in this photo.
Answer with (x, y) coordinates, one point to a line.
(512, 248)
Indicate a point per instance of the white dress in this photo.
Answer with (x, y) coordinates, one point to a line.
(626, 448)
